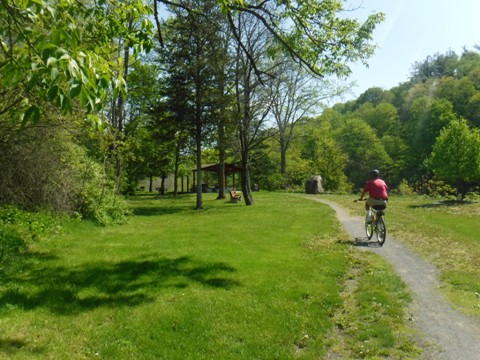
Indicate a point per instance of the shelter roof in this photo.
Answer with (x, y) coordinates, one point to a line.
(229, 168)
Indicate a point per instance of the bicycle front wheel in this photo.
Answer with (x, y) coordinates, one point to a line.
(369, 229)
(381, 231)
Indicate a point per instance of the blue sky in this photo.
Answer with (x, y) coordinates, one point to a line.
(413, 30)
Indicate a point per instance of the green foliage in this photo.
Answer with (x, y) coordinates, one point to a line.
(456, 155)
(58, 51)
(325, 157)
(94, 196)
(43, 168)
(314, 23)
(18, 230)
(273, 182)
(409, 118)
(433, 187)
(365, 151)
(405, 189)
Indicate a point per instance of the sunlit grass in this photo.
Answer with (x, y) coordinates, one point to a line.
(228, 282)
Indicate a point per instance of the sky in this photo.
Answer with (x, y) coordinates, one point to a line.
(412, 31)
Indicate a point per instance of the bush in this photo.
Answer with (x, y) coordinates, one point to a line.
(273, 182)
(43, 168)
(434, 187)
(405, 189)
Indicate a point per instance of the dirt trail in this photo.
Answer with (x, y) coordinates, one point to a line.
(453, 335)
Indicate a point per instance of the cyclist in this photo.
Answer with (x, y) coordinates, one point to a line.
(377, 191)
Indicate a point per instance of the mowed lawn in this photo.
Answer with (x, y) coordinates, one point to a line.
(229, 282)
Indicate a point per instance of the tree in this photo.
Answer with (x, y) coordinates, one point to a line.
(374, 96)
(365, 151)
(456, 156)
(252, 104)
(324, 154)
(427, 118)
(55, 54)
(193, 41)
(294, 95)
(310, 31)
(382, 117)
(436, 66)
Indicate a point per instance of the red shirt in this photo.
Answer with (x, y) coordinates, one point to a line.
(376, 189)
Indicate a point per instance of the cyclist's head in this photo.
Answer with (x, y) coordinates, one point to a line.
(375, 174)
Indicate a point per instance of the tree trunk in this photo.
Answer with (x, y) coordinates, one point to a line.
(162, 186)
(175, 173)
(221, 158)
(121, 119)
(198, 141)
(245, 180)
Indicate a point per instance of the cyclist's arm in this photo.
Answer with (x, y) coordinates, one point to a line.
(362, 194)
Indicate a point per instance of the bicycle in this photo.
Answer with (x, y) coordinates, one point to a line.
(375, 223)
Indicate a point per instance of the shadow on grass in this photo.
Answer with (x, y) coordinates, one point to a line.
(10, 346)
(156, 210)
(70, 291)
(443, 203)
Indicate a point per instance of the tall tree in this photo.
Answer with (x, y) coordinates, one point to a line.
(325, 156)
(427, 118)
(456, 156)
(365, 151)
(192, 44)
(252, 102)
(295, 94)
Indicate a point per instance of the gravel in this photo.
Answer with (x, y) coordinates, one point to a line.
(448, 334)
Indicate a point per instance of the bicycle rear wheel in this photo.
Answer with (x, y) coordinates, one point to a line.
(381, 231)
(368, 229)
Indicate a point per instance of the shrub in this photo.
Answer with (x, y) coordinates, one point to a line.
(434, 187)
(405, 189)
(44, 168)
(273, 182)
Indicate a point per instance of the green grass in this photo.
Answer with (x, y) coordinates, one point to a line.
(444, 233)
(276, 280)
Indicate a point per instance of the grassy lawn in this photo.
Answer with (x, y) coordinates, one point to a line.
(277, 280)
(446, 233)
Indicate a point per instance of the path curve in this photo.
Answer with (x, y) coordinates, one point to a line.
(456, 336)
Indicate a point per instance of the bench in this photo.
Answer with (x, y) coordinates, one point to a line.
(234, 196)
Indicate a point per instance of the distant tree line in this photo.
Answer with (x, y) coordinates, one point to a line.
(423, 133)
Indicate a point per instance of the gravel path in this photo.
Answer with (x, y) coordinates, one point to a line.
(453, 335)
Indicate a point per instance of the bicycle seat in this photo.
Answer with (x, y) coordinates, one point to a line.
(379, 207)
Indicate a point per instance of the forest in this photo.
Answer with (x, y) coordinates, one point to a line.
(97, 96)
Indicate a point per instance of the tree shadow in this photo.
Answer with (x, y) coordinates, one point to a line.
(155, 210)
(443, 203)
(10, 346)
(69, 291)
